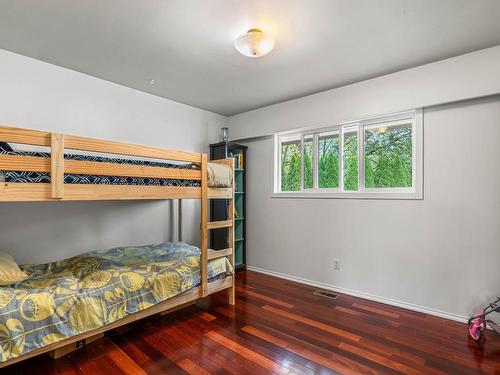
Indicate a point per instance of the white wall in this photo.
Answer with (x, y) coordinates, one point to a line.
(41, 96)
(439, 253)
(463, 77)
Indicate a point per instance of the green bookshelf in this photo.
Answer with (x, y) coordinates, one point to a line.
(218, 207)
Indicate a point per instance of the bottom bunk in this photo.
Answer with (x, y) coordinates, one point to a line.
(68, 301)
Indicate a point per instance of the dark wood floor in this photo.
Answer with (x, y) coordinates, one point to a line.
(280, 327)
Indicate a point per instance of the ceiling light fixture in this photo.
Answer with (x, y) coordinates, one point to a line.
(254, 43)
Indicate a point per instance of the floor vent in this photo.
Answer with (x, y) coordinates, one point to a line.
(322, 293)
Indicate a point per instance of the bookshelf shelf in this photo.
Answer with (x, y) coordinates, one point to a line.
(218, 207)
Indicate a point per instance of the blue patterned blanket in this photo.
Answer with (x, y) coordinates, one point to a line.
(79, 294)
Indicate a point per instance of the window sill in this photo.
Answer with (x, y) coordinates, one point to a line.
(412, 195)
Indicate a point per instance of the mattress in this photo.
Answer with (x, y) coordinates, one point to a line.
(40, 177)
(72, 296)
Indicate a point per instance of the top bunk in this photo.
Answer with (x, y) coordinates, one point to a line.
(80, 168)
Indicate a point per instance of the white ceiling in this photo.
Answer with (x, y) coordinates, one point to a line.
(186, 46)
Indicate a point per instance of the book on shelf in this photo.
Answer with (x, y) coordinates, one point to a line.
(237, 160)
(240, 161)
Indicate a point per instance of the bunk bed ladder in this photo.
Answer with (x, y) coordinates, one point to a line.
(230, 214)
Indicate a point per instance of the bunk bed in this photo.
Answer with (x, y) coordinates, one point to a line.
(71, 171)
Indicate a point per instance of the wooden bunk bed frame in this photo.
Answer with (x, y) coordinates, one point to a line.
(58, 190)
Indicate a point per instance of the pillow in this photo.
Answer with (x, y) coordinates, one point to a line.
(4, 146)
(9, 270)
(219, 175)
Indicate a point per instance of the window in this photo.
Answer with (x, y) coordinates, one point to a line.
(290, 163)
(372, 158)
(308, 162)
(388, 155)
(329, 154)
(350, 158)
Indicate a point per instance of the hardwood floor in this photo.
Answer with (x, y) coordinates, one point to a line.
(281, 327)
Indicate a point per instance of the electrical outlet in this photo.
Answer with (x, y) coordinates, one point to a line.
(336, 264)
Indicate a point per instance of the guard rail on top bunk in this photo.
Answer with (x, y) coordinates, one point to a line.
(57, 166)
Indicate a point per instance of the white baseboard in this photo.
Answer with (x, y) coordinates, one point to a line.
(404, 305)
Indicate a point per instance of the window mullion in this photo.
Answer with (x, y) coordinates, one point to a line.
(341, 158)
(316, 161)
(302, 162)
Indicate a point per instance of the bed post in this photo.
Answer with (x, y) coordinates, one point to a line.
(57, 165)
(204, 227)
(179, 220)
(230, 216)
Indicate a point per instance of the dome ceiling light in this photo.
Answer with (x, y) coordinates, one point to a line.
(254, 43)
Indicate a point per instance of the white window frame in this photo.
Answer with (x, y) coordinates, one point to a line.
(415, 117)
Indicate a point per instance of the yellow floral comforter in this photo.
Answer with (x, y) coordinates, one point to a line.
(75, 295)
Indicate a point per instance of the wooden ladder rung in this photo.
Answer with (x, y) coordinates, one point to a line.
(214, 254)
(220, 193)
(219, 224)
